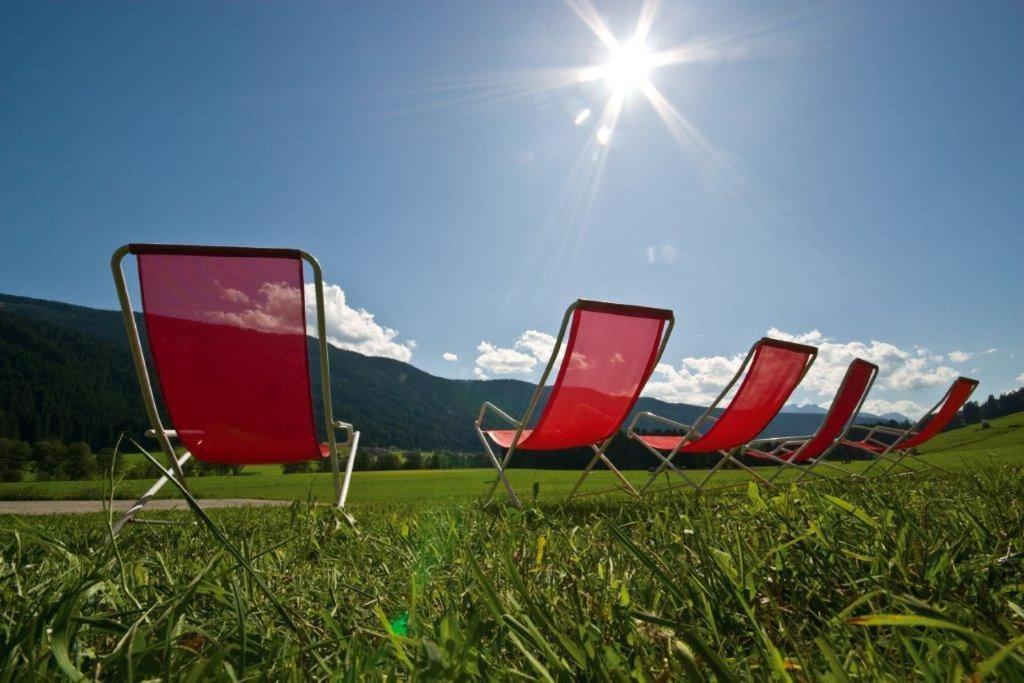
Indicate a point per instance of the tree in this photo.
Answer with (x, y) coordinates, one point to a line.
(48, 459)
(990, 408)
(14, 456)
(412, 460)
(301, 467)
(386, 461)
(105, 459)
(432, 462)
(79, 462)
(972, 412)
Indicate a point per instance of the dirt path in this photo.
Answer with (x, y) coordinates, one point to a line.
(60, 507)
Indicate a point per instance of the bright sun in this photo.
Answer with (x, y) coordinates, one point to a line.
(626, 70)
(628, 67)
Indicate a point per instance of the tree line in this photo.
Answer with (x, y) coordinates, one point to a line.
(54, 460)
(1007, 404)
(373, 458)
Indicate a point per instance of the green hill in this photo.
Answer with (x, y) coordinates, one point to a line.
(1004, 432)
(66, 372)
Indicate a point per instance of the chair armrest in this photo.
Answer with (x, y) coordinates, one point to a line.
(883, 429)
(349, 431)
(631, 430)
(497, 411)
(789, 439)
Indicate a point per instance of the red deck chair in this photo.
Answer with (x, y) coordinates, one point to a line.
(812, 450)
(226, 331)
(612, 350)
(903, 441)
(775, 369)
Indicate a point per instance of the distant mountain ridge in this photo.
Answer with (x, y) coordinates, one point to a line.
(65, 371)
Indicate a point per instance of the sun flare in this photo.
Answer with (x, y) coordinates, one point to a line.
(627, 69)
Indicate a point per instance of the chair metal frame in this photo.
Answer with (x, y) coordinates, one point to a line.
(693, 432)
(164, 436)
(893, 453)
(801, 442)
(520, 425)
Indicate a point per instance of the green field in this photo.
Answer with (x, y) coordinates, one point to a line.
(902, 577)
(956, 449)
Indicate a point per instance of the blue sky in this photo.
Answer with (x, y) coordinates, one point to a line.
(848, 174)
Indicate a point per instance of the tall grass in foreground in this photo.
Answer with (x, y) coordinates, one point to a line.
(897, 578)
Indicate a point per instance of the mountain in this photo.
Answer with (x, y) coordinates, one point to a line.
(862, 417)
(807, 409)
(66, 372)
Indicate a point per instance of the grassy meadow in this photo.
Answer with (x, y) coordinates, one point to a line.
(914, 576)
(1003, 443)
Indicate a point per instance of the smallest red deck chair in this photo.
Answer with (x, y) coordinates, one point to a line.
(773, 368)
(611, 352)
(226, 332)
(812, 450)
(899, 443)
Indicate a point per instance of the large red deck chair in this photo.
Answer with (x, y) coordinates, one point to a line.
(611, 351)
(793, 452)
(773, 368)
(226, 331)
(899, 443)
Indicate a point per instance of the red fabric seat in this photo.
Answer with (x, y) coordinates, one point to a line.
(774, 372)
(610, 354)
(227, 337)
(503, 437)
(954, 400)
(852, 391)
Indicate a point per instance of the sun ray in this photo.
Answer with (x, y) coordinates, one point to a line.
(588, 14)
(648, 10)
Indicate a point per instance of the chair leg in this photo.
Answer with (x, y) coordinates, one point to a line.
(784, 465)
(820, 462)
(343, 494)
(130, 513)
(584, 475)
(599, 454)
(750, 470)
(626, 486)
(897, 461)
(500, 467)
(883, 457)
(666, 462)
(719, 465)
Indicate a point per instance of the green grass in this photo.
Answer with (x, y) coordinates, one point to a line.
(896, 578)
(904, 577)
(960, 448)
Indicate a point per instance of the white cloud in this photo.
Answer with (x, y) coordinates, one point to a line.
(450, 357)
(989, 352)
(959, 356)
(898, 369)
(539, 344)
(494, 360)
(355, 328)
(1019, 378)
(665, 253)
(697, 380)
(530, 348)
(700, 380)
(879, 406)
